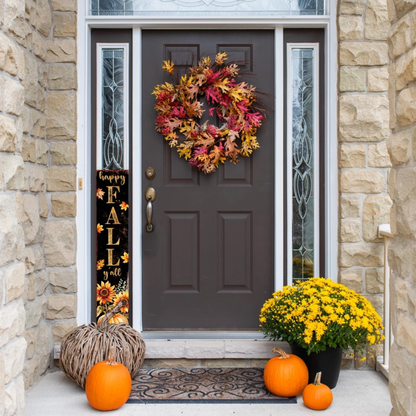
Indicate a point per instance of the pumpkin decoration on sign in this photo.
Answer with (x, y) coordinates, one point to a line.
(87, 345)
(108, 384)
(285, 375)
(317, 396)
(179, 111)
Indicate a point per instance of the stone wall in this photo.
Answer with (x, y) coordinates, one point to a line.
(37, 189)
(402, 183)
(364, 131)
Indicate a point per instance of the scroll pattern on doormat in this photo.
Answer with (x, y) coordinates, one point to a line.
(203, 385)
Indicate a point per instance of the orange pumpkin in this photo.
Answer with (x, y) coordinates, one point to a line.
(108, 384)
(118, 318)
(285, 375)
(317, 396)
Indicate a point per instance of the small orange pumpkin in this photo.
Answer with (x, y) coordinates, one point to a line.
(108, 384)
(118, 318)
(317, 396)
(285, 375)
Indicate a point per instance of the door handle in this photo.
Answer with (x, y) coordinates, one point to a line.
(150, 196)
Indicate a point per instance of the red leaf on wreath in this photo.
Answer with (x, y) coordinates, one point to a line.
(211, 95)
(179, 112)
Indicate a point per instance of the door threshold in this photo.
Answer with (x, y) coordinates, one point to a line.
(206, 335)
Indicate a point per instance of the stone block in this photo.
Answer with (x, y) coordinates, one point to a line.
(400, 39)
(226, 363)
(61, 180)
(14, 97)
(44, 346)
(30, 221)
(65, 25)
(29, 150)
(60, 243)
(30, 337)
(363, 118)
(361, 254)
(39, 46)
(378, 156)
(399, 146)
(374, 281)
(43, 206)
(62, 77)
(15, 24)
(352, 156)
(30, 80)
(8, 231)
(61, 116)
(2, 393)
(376, 211)
(14, 358)
(9, 55)
(31, 372)
(350, 27)
(43, 17)
(61, 328)
(63, 280)
(61, 50)
(35, 311)
(165, 349)
(64, 153)
(26, 122)
(378, 79)
(403, 6)
(64, 205)
(206, 349)
(406, 107)
(406, 333)
(404, 198)
(30, 293)
(29, 257)
(352, 278)
(349, 206)
(12, 167)
(61, 307)
(362, 181)
(363, 53)
(414, 30)
(40, 99)
(351, 79)
(37, 178)
(400, 257)
(41, 282)
(15, 281)
(355, 7)
(377, 22)
(64, 5)
(12, 321)
(42, 151)
(38, 124)
(350, 231)
(405, 70)
(172, 363)
(7, 134)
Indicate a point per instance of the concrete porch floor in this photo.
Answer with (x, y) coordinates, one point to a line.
(358, 393)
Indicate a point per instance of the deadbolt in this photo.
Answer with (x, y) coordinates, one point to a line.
(150, 173)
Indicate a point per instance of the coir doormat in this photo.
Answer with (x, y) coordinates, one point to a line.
(202, 385)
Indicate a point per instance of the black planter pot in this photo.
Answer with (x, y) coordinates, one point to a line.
(328, 362)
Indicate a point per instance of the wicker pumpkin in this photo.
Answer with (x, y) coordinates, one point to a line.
(285, 375)
(87, 345)
(108, 384)
(317, 396)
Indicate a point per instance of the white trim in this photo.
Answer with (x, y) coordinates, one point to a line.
(137, 197)
(289, 48)
(85, 23)
(279, 205)
(126, 90)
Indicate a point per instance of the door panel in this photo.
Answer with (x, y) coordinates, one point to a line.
(208, 264)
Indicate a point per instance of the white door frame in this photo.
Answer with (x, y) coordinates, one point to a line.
(137, 23)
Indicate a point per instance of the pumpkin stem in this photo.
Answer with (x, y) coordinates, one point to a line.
(317, 380)
(283, 354)
(111, 357)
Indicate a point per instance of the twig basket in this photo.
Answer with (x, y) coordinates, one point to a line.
(87, 345)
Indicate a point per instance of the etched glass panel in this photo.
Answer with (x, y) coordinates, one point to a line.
(207, 7)
(113, 108)
(303, 224)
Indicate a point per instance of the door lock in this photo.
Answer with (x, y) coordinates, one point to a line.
(150, 173)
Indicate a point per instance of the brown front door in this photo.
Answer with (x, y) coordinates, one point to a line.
(208, 263)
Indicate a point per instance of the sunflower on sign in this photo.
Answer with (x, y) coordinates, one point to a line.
(179, 111)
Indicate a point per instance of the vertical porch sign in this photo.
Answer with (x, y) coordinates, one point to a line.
(112, 199)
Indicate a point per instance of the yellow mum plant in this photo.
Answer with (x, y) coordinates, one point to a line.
(319, 313)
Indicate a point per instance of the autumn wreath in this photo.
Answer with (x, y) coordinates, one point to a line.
(178, 107)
